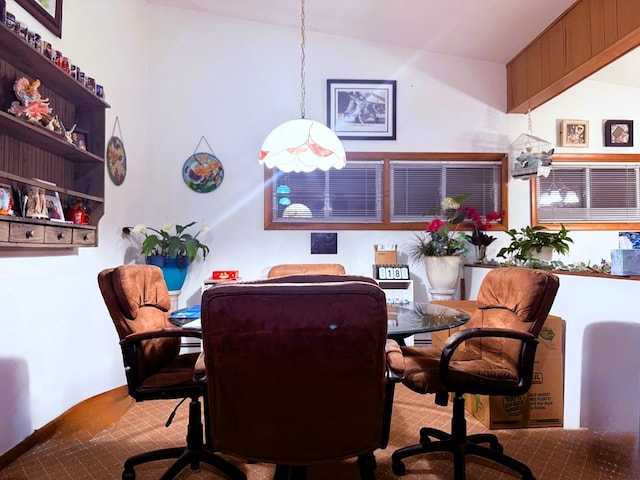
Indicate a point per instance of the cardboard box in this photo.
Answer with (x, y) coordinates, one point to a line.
(543, 404)
(386, 254)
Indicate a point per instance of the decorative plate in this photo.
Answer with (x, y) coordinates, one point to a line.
(116, 160)
(202, 172)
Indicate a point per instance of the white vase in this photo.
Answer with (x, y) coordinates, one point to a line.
(545, 254)
(443, 272)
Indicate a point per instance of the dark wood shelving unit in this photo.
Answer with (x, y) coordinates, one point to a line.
(31, 155)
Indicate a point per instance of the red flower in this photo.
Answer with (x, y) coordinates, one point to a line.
(435, 225)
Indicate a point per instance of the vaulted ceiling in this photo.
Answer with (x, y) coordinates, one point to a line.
(489, 30)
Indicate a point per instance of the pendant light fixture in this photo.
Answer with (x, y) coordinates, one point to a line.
(302, 145)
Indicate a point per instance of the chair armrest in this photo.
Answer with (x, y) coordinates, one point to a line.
(395, 361)
(163, 333)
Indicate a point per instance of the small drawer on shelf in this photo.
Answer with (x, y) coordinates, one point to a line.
(4, 231)
(26, 233)
(83, 236)
(60, 235)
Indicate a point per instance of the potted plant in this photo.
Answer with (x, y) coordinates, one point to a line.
(173, 252)
(442, 245)
(529, 241)
(479, 237)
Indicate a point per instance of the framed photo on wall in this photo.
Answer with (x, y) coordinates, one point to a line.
(47, 12)
(362, 109)
(618, 133)
(574, 133)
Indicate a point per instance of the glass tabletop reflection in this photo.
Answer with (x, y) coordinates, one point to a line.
(421, 317)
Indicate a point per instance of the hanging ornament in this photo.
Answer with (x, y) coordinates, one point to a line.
(202, 172)
(530, 156)
(116, 156)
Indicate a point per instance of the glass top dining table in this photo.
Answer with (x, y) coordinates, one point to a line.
(403, 320)
(421, 317)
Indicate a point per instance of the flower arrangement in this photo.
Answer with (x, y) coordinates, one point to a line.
(164, 243)
(481, 224)
(438, 241)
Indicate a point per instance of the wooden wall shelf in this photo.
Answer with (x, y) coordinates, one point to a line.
(31, 155)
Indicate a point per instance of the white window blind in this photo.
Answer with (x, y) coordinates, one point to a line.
(352, 194)
(417, 188)
(589, 193)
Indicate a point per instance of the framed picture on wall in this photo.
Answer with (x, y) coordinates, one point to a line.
(574, 133)
(47, 12)
(362, 109)
(618, 133)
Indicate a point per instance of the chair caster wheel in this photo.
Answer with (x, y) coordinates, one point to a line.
(398, 467)
(128, 475)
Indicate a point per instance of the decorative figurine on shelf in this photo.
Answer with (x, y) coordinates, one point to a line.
(32, 107)
(36, 203)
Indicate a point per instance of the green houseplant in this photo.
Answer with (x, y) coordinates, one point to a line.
(171, 248)
(166, 244)
(529, 241)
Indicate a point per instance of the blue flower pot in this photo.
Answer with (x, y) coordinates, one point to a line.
(174, 270)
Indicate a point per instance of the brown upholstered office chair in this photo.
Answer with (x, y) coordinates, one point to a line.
(492, 355)
(138, 302)
(296, 371)
(305, 268)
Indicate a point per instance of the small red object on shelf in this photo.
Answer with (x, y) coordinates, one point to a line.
(224, 275)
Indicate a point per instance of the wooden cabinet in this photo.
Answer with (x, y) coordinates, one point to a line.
(588, 36)
(31, 155)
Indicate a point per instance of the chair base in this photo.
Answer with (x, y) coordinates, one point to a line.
(366, 464)
(193, 454)
(460, 445)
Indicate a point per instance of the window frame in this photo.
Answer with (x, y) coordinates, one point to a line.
(386, 158)
(581, 158)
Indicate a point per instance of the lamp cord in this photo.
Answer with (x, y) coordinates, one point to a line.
(302, 60)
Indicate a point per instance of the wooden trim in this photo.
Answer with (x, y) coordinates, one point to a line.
(83, 420)
(596, 53)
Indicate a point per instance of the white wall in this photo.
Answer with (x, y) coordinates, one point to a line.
(57, 344)
(173, 76)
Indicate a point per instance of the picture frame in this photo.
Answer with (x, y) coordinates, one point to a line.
(6, 199)
(324, 243)
(618, 133)
(362, 109)
(80, 138)
(54, 207)
(574, 133)
(47, 13)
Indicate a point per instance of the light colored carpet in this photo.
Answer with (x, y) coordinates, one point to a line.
(552, 453)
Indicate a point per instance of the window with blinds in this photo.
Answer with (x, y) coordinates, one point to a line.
(383, 190)
(580, 193)
(417, 188)
(352, 194)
